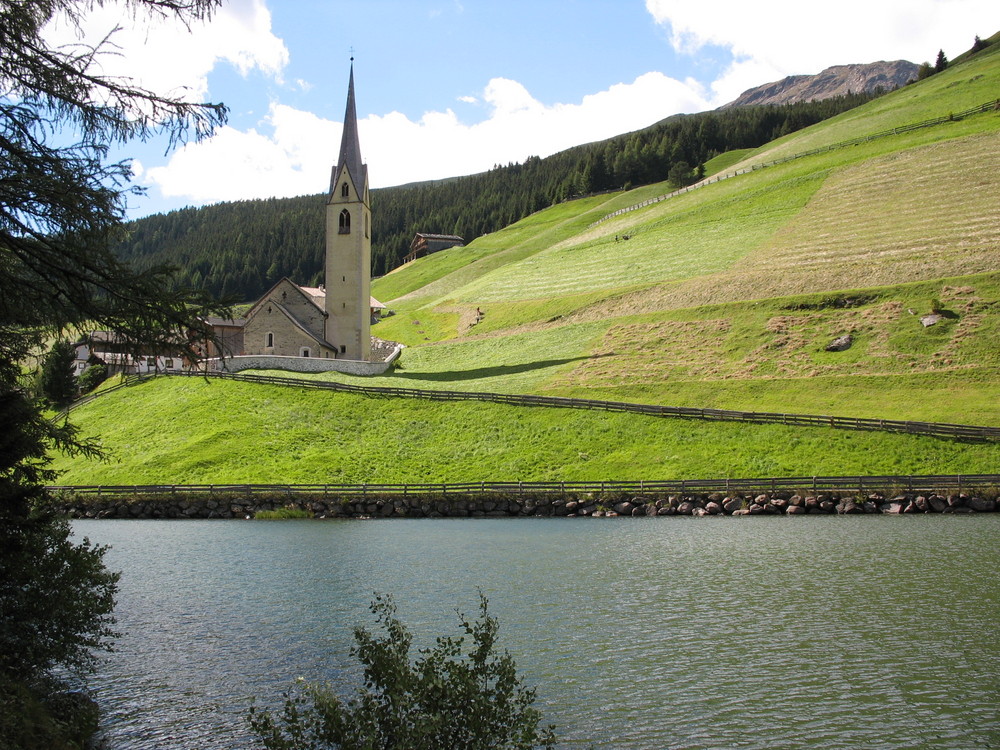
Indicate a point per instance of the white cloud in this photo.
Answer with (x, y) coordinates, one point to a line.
(296, 156)
(237, 165)
(164, 55)
(770, 39)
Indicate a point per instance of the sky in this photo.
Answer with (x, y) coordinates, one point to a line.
(453, 87)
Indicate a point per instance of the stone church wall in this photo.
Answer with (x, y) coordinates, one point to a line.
(289, 339)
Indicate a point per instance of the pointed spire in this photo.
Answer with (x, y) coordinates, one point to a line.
(350, 146)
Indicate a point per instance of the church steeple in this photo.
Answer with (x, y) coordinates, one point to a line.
(348, 246)
(350, 146)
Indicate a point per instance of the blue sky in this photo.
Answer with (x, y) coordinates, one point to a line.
(450, 87)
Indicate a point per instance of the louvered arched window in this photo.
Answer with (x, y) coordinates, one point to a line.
(345, 222)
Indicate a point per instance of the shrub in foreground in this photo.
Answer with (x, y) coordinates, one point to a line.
(447, 698)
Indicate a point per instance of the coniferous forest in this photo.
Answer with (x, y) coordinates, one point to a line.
(238, 250)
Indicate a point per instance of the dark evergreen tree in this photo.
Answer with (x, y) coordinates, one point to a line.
(941, 63)
(681, 174)
(61, 211)
(57, 378)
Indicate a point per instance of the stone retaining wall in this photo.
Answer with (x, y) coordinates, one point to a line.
(306, 364)
(591, 505)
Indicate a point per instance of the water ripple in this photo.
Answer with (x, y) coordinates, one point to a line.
(640, 633)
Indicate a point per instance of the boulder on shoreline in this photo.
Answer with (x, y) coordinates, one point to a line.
(178, 505)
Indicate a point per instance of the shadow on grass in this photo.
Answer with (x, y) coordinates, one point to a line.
(485, 372)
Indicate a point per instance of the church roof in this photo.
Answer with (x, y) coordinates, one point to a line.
(350, 146)
(318, 295)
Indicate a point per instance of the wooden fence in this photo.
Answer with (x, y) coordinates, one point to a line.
(127, 381)
(854, 485)
(936, 429)
(823, 149)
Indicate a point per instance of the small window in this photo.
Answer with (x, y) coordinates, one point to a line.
(343, 349)
(345, 222)
(270, 340)
(169, 364)
(305, 352)
(151, 361)
(345, 191)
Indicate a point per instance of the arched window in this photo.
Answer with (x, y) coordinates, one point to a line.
(345, 191)
(345, 222)
(270, 340)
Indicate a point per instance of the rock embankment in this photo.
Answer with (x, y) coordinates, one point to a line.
(452, 505)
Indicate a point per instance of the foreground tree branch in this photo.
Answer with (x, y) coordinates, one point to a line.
(62, 209)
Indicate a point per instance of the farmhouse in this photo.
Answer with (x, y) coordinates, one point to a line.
(425, 244)
(119, 357)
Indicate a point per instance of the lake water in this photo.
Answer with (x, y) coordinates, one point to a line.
(763, 632)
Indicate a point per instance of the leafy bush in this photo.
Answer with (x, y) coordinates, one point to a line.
(56, 599)
(92, 377)
(44, 716)
(447, 698)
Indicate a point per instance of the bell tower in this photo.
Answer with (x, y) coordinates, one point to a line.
(349, 245)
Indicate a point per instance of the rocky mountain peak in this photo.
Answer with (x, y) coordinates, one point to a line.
(834, 81)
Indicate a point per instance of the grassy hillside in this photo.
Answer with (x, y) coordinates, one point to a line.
(724, 297)
(171, 432)
(728, 295)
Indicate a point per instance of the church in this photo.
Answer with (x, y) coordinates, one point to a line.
(332, 321)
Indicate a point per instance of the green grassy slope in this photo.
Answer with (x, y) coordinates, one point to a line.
(691, 309)
(723, 297)
(172, 431)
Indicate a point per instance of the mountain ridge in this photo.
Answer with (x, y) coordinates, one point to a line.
(837, 80)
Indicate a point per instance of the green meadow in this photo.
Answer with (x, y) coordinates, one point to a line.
(726, 296)
(189, 430)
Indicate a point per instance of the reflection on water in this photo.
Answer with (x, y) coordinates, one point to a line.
(819, 632)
